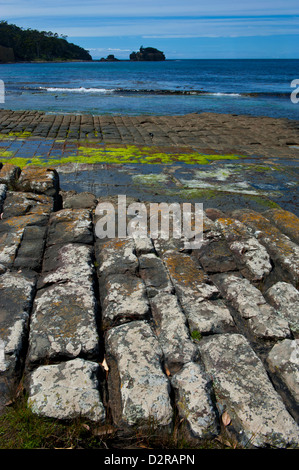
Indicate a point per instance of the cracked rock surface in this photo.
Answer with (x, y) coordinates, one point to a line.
(136, 331)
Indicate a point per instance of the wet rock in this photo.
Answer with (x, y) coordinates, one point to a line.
(284, 297)
(70, 226)
(123, 298)
(282, 250)
(262, 319)
(154, 275)
(66, 391)
(171, 330)
(243, 389)
(285, 221)
(138, 388)
(193, 391)
(39, 180)
(83, 200)
(283, 360)
(247, 250)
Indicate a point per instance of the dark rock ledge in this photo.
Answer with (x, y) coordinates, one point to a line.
(195, 334)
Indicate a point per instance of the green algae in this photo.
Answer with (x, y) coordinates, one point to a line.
(115, 155)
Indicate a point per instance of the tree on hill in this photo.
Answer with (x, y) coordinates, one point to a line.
(30, 44)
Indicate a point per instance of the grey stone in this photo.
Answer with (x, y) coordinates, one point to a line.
(66, 391)
(193, 391)
(243, 389)
(123, 298)
(246, 249)
(70, 226)
(283, 360)
(17, 204)
(284, 297)
(83, 200)
(138, 388)
(208, 316)
(216, 257)
(173, 334)
(116, 256)
(154, 274)
(39, 180)
(63, 323)
(262, 319)
(16, 297)
(9, 174)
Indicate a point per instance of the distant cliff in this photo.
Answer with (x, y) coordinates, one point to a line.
(33, 45)
(6, 55)
(147, 54)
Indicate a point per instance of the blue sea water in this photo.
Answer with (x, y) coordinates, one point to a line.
(252, 87)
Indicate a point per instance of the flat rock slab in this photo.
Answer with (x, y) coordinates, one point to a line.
(171, 328)
(123, 298)
(39, 180)
(251, 256)
(139, 388)
(283, 360)
(262, 318)
(67, 390)
(70, 226)
(284, 297)
(63, 323)
(193, 390)
(16, 297)
(282, 250)
(243, 389)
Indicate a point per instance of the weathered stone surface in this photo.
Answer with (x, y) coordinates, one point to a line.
(2, 195)
(285, 221)
(282, 250)
(123, 298)
(250, 303)
(11, 234)
(39, 180)
(80, 201)
(189, 280)
(193, 392)
(215, 257)
(284, 297)
(243, 389)
(17, 204)
(138, 388)
(70, 226)
(9, 174)
(172, 332)
(16, 297)
(66, 390)
(208, 316)
(68, 263)
(154, 274)
(283, 360)
(116, 256)
(246, 249)
(63, 323)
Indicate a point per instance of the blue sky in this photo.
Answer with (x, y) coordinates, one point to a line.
(180, 28)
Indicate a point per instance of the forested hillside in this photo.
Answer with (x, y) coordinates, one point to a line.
(30, 44)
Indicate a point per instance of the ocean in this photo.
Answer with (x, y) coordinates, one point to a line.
(173, 87)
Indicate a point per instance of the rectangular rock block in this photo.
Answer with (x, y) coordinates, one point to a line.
(244, 390)
(138, 388)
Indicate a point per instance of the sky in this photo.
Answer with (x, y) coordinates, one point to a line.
(190, 29)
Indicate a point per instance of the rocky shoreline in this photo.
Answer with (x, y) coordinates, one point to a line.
(133, 331)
